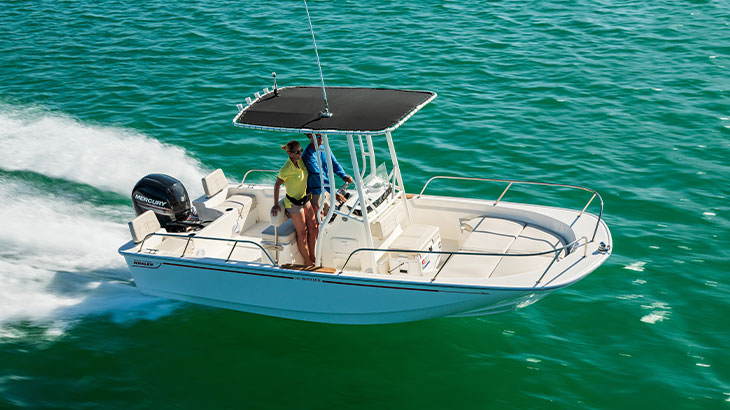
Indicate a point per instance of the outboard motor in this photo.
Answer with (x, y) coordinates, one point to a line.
(168, 199)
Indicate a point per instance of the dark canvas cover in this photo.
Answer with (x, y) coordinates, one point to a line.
(353, 109)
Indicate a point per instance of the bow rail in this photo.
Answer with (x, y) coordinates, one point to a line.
(567, 248)
(512, 182)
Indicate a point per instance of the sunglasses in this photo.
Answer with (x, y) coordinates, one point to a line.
(295, 152)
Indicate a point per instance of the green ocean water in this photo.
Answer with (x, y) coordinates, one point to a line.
(629, 98)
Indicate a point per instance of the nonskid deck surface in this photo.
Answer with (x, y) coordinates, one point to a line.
(307, 268)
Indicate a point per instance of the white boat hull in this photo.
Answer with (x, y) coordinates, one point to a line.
(314, 296)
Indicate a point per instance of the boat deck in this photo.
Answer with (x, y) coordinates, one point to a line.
(505, 237)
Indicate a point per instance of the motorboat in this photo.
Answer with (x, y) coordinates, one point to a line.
(384, 255)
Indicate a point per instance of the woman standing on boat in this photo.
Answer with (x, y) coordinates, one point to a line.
(294, 177)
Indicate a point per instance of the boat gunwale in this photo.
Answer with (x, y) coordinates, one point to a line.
(242, 266)
(259, 266)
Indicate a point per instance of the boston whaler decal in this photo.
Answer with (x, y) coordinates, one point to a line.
(145, 264)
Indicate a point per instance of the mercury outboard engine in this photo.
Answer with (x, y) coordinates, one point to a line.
(168, 199)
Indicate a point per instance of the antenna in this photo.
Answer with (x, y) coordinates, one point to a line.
(326, 113)
(276, 90)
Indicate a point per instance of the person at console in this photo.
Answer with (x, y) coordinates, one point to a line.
(314, 187)
(294, 177)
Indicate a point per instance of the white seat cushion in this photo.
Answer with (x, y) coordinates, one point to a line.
(493, 235)
(214, 182)
(236, 202)
(143, 225)
(469, 266)
(286, 231)
(415, 237)
(533, 239)
(511, 265)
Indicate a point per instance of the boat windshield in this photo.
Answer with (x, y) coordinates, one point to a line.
(377, 189)
(378, 178)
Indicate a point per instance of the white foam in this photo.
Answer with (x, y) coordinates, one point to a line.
(654, 317)
(52, 251)
(657, 305)
(10, 334)
(23, 295)
(58, 255)
(636, 266)
(107, 158)
(57, 233)
(660, 312)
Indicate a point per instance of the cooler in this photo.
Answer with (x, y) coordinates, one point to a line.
(415, 237)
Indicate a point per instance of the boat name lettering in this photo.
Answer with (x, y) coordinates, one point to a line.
(308, 279)
(150, 201)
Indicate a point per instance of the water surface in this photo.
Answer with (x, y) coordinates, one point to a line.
(629, 98)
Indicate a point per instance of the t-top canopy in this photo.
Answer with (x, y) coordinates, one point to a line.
(355, 110)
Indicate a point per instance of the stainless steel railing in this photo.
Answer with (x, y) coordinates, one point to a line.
(567, 248)
(191, 237)
(256, 170)
(511, 182)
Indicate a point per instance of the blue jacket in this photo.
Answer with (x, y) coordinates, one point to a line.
(310, 161)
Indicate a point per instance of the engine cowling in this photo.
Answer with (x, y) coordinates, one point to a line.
(165, 196)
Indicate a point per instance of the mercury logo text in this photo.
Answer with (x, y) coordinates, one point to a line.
(150, 201)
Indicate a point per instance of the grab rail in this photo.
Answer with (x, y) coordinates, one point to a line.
(256, 170)
(191, 237)
(511, 182)
(568, 248)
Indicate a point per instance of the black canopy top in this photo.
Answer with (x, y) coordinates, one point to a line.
(355, 110)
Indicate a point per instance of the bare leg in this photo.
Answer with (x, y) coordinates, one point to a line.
(312, 230)
(301, 228)
(314, 202)
(315, 210)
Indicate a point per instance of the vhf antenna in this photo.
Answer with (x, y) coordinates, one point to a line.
(326, 113)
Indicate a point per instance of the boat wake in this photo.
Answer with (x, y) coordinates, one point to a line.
(58, 247)
(108, 158)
